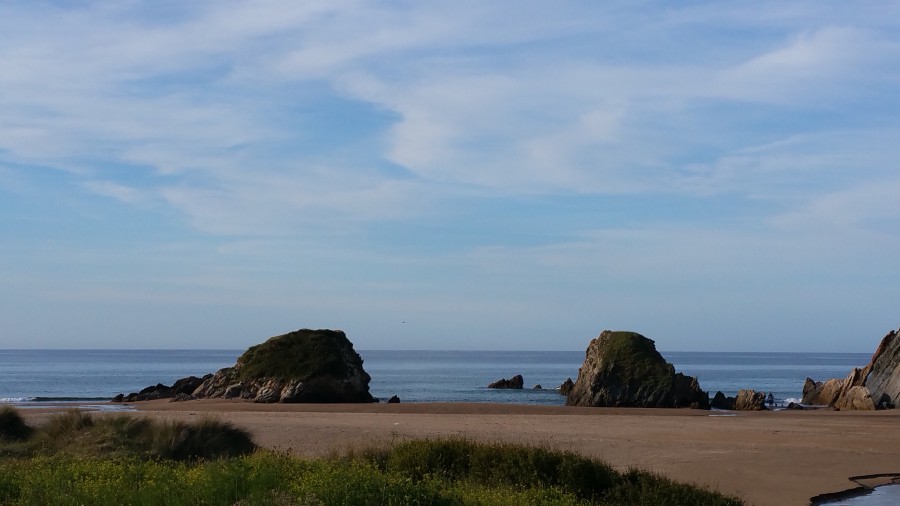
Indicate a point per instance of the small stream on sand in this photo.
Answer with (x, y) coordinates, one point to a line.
(887, 495)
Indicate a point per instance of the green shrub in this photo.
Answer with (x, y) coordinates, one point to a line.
(207, 438)
(80, 433)
(264, 478)
(66, 424)
(640, 488)
(501, 464)
(12, 425)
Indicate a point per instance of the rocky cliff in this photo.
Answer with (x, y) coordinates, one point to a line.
(301, 366)
(625, 369)
(875, 386)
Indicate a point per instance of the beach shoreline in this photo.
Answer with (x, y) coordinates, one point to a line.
(780, 457)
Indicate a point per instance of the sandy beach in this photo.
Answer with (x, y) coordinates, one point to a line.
(767, 458)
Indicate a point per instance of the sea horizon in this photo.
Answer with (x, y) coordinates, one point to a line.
(68, 375)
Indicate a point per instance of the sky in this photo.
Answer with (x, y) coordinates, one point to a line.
(513, 175)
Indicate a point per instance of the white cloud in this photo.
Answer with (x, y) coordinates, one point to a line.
(870, 207)
(815, 65)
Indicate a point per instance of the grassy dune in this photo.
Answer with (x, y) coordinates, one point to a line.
(76, 458)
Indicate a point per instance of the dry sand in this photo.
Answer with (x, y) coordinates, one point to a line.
(766, 458)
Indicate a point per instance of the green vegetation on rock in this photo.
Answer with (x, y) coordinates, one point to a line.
(299, 355)
(630, 356)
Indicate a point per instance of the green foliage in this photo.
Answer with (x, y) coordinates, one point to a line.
(642, 488)
(298, 355)
(630, 355)
(81, 433)
(504, 464)
(136, 461)
(207, 438)
(12, 425)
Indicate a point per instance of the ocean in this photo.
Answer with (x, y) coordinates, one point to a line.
(29, 377)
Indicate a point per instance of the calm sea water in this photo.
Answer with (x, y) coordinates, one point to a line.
(415, 376)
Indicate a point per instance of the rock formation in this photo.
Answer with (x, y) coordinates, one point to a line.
(301, 366)
(181, 388)
(875, 386)
(624, 369)
(750, 400)
(566, 387)
(515, 383)
(721, 401)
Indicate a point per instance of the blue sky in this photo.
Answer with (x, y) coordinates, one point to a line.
(461, 175)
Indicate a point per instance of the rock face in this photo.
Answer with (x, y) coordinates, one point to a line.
(566, 387)
(181, 388)
(750, 400)
(624, 369)
(516, 383)
(301, 366)
(721, 401)
(875, 386)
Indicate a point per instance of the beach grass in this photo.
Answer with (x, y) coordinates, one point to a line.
(124, 460)
(12, 425)
(81, 433)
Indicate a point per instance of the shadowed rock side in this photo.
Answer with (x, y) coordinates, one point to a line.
(566, 387)
(875, 386)
(181, 389)
(623, 369)
(514, 383)
(301, 366)
(721, 401)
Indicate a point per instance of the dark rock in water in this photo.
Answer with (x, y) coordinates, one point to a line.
(514, 383)
(750, 400)
(794, 405)
(875, 386)
(301, 366)
(624, 369)
(394, 400)
(538, 387)
(720, 401)
(160, 391)
(566, 386)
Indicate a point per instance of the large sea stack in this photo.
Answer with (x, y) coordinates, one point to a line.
(623, 369)
(301, 366)
(875, 386)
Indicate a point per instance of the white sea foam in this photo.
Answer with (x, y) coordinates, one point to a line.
(792, 399)
(10, 400)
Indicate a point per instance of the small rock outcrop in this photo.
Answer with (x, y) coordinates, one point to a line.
(514, 383)
(721, 401)
(302, 366)
(181, 388)
(393, 400)
(566, 387)
(750, 400)
(875, 386)
(624, 369)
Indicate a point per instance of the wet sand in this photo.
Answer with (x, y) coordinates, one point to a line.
(766, 458)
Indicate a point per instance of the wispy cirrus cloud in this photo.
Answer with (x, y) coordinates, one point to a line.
(662, 145)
